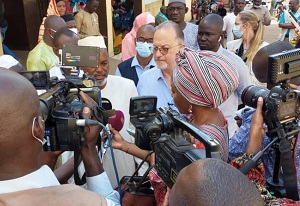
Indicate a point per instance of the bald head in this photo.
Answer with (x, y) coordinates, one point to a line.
(206, 182)
(19, 107)
(54, 22)
(213, 20)
(146, 29)
(21, 103)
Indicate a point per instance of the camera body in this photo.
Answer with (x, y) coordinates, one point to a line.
(61, 104)
(281, 104)
(166, 132)
(61, 107)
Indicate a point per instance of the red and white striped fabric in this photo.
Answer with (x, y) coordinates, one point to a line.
(204, 78)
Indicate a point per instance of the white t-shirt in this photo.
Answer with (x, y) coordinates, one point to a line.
(229, 21)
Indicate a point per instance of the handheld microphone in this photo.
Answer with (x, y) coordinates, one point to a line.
(117, 121)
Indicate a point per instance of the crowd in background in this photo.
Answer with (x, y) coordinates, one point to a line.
(199, 68)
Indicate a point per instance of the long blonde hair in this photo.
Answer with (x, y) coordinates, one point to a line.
(257, 27)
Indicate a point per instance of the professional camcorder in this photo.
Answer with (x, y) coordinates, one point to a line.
(281, 110)
(166, 132)
(62, 105)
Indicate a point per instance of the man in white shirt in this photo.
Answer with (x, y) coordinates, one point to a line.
(229, 20)
(21, 134)
(118, 90)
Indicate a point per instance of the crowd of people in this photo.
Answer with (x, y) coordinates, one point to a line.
(191, 68)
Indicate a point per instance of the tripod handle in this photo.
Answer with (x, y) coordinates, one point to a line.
(251, 163)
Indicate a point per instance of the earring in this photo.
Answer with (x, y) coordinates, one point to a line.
(220, 39)
(190, 110)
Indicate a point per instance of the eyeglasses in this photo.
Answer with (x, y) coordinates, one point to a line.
(163, 50)
(142, 40)
(178, 9)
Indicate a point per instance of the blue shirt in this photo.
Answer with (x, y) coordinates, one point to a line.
(282, 20)
(153, 83)
(139, 70)
(239, 141)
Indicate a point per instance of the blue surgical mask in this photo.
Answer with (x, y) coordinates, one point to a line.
(237, 32)
(144, 49)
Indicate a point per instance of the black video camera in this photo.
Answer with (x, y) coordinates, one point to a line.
(61, 104)
(281, 103)
(281, 109)
(165, 132)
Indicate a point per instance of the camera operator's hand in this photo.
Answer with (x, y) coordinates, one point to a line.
(119, 143)
(89, 151)
(256, 129)
(117, 140)
(88, 100)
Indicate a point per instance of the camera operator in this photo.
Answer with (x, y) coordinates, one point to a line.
(211, 186)
(21, 134)
(197, 70)
(237, 145)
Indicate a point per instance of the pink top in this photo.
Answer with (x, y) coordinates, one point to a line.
(128, 43)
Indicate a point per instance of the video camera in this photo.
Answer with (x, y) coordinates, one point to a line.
(281, 103)
(281, 109)
(61, 104)
(166, 132)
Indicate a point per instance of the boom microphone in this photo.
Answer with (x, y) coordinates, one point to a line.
(117, 121)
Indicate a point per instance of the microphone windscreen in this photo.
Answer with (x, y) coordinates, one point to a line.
(117, 121)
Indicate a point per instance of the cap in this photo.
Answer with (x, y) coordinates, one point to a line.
(178, 1)
(94, 41)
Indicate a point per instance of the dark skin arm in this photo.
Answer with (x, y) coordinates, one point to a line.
(256, 129)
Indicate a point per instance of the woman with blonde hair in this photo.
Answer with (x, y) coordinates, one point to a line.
(250, 31)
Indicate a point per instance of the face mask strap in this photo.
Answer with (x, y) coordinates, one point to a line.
(32, 132)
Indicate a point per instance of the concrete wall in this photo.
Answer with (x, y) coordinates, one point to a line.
(154, 7)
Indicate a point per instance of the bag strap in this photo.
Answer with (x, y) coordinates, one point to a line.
(140, 165)
(141, 182)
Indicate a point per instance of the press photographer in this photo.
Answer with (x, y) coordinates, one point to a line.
(280, 120)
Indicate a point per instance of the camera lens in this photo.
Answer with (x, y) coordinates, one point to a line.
(251, 94)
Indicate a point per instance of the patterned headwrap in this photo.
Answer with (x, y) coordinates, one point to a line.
(204, 78)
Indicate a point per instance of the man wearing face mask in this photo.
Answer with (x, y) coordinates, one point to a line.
(42, 58)
(134, 67)
(261, 11)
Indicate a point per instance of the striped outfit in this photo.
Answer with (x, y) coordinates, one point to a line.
(52, 10)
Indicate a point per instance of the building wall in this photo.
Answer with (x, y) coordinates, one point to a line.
(153, 7)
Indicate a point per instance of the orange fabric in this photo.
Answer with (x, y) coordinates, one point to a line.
(52, 10)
